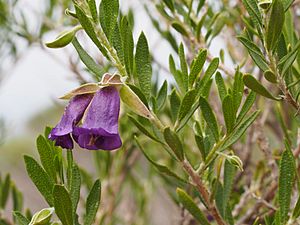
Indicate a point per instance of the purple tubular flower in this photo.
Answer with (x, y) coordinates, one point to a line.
(100, 124)
(72, 115)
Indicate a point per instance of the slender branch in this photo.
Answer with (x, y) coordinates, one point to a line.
(203, 191)
(282, 85)
(268, 195)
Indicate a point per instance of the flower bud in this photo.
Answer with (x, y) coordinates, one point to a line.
(133, 102)
(264, 4)
(42, 217)
(233, 160)
(68, 12)
(236, 161)
(64, 38)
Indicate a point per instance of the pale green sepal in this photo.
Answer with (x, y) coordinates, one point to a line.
(89, 88)
(133, 102)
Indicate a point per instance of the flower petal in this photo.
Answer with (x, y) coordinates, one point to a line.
(103, 111)
(100, 126)
(72, 115)
(64, 141)
(94, 142)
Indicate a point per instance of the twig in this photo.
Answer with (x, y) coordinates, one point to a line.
(128, 164)
(243, 200)
(264, 202)
(267, 196)
(203, 191)
(264, 146)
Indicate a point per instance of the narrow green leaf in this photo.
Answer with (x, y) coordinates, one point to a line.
(128, 45)
(179, 28)
(238, 90)
(5, 189)
(287, 61)
(174, 143)
(211, 69)
(184, 66)
(228, 113)
(254, 12)
(89, 29)
(200, 5)
(63, 205)
(287, 4)
(275, 25)
(201, 145)
(162, 95)
(229, 174)
(239, 130)
(204, 92)
(200, 26)
(254, 85)
(286, 181)
(221, 86)
(254, 52)
(220, 22)
(161, 168)
(75, 187)
(142, 128)
(108, 12)
(93, 9)
(197, 66)
(228, 215)
(219, 196)
(87, 59)
(17, 197)
(282, 45)
(116, 40)
(176, 74)
(284, 59)
(20, 219)
(209, 117)
(143, 65)
(46, 156)
(169, 4)
(186, 104)
(246, 106)
(270, 76)
(281, 121)
(174, 104)
(92, 203)
(40, 179)
(191, 206)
